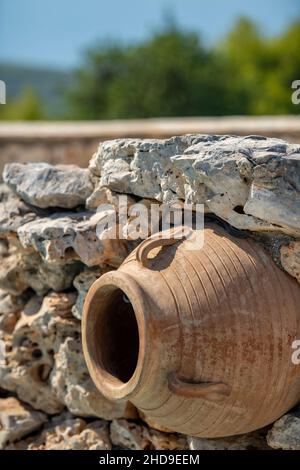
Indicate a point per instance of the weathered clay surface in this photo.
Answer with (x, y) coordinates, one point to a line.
(17, 420)
(134, 436)
(285, 433)
(222, 277)
(44, 185)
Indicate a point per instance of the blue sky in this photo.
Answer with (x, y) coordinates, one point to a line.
(56, 32)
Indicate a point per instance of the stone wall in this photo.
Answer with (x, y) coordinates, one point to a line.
(51, 254)
(75, 142)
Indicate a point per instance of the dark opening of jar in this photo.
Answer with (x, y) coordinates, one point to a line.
(117, 335)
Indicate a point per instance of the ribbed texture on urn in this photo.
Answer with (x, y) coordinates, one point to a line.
(225, 317)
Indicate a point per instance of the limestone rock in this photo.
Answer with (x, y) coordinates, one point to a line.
(69, 236)
(10, 307)
(22, 269)
(134, 436)
(72, 385)
(13, 211)
(167, 441)
(252, 441)
(82, 283)
(3, 247)
(43, 361)
(139, 166)
(44, 185)
(290, 258)
(103, 195)
(129, 435)
(251, 182)
(285, 433)
(10, 303)
(17, 420)
(238, 175)
(7, 324)
(70, 434)
(28, 357)
(275, 191)
(99, 196)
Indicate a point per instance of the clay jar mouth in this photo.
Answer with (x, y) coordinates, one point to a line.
(114, 335)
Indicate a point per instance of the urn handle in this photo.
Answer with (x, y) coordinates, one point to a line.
(167, 237)
(216, 392)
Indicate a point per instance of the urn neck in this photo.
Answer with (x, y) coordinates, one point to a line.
(116, 329)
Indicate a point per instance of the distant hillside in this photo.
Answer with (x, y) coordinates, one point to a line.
(47, 83)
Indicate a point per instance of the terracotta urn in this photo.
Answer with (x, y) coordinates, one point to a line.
(200, 341)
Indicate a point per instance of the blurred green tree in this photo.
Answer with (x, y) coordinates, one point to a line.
(27, 107)
(173, 74)
(262, 69)
(169, 75)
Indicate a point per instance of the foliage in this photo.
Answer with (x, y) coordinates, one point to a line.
(174, 74)
(26, 107)
(262, 70)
